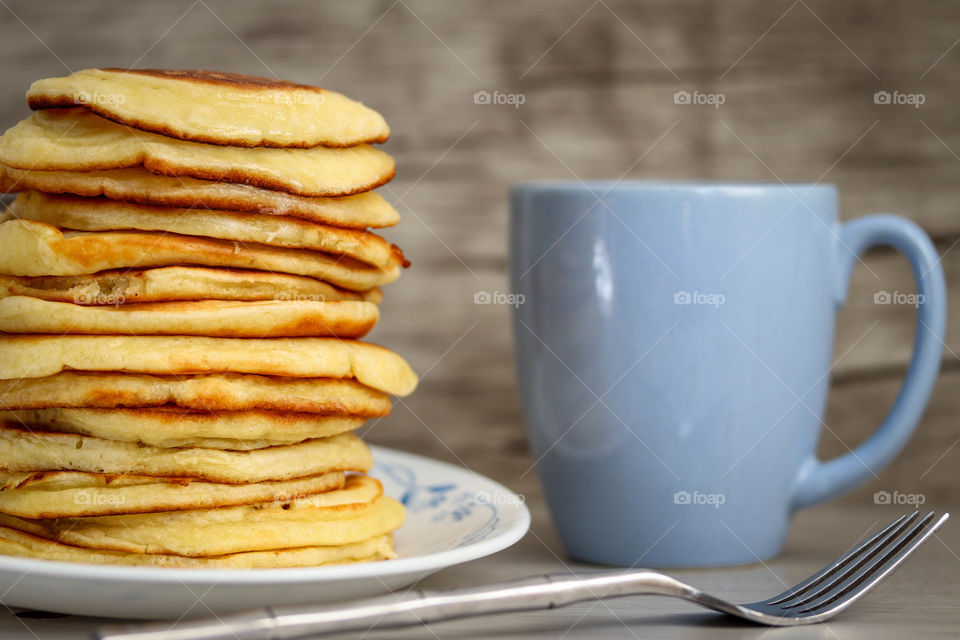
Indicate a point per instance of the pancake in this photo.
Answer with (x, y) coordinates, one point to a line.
(77, 140)
(355, 513)
(215, 107)
(64, 494)
(28, 451)
(369, 364)
(17, 543)
(38, 249)
(101, 214)
(172, 427)
(218, 318)
(178, 283)
(212, 392)
(136, 184)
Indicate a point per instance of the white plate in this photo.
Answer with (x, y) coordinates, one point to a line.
(453, 515)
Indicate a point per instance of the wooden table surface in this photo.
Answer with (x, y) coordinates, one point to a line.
(921, 600)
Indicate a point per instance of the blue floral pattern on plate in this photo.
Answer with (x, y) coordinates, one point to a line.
(448, 502)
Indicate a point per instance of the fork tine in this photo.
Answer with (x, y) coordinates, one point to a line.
(866, 578)
(863, 554)
(828, 571)
(889, 547)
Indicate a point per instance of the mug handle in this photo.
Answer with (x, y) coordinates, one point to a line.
(819, 481)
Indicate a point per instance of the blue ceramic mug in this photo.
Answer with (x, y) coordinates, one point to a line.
(673, 345)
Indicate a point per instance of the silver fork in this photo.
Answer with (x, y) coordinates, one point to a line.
(820, 597)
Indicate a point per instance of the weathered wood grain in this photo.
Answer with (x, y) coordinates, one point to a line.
(597, 104)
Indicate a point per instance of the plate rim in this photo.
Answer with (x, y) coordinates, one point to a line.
(40, 568)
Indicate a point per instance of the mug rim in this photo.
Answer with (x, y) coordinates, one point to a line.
(672, 185)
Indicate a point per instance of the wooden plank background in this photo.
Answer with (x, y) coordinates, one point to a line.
(598, 80)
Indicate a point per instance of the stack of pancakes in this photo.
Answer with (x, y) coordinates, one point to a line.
(184, 276)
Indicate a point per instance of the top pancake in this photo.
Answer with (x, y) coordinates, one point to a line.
(77, 140)
(214, 107)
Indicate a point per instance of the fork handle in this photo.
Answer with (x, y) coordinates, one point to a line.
(407, 609)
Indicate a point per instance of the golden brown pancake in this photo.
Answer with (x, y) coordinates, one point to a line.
(39, 249)
(372, 365)
(357, 512)
(207, 392)
(77, 140)
(18, 543)
(101, 214)
(69, 494)
(136, 184)
(23, 450)
(165, 284)
(175, 427)
(219, 318)
(215, 107)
